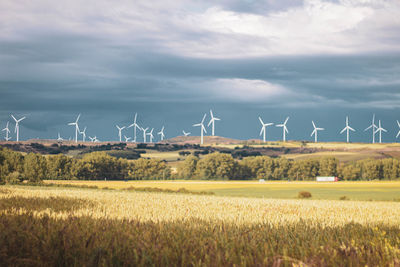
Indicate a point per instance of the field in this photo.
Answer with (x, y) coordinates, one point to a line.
(70, 227)
(382, 191)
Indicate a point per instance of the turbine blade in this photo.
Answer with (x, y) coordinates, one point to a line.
(313, 124)
(14, 118)
(369, 127)
(313, 132)
(262, 130)
(398, 134)
(344, 129)
(204, 117)
(210, 122)
(261, 120)
(351, 129)
(286, 120)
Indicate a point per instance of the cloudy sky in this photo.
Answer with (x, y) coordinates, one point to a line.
(171, 61)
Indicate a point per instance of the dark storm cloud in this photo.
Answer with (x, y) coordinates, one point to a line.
(172, 67)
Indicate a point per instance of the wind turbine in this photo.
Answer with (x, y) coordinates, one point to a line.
(315, 132)
(151, 135)
(127, 139)
(161, 133)
(144, 133)
(92, 139)
(373, 127)
(264, 128)
(76, 127)
(347, 129)
(398, 124)
(120, 132)
(212, 121)
(284, 129)
(7, 132)
(59, 138)
(185, 133)
(83, 133)
(202, 128)
(134, 125)
(380, 130)
(96, 140)
(16, 130)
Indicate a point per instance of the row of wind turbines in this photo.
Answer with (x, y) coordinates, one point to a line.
(375, 130)
(143, 129)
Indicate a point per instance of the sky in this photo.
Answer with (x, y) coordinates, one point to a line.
(173, 61)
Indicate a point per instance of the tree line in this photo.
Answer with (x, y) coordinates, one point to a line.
(33, 167)
(224, 167)
(16, 167)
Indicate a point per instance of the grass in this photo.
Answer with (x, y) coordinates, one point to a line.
(119, 228)
(379, 190)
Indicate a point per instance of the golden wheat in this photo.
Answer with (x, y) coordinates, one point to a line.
(159, 207)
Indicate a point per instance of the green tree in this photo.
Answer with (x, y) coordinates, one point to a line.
(187, 168)
(217, 166)
(35, 167)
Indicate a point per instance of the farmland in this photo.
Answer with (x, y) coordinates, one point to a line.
(382, 191)
(70, 226)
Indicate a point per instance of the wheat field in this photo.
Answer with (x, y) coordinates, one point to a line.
(73, 226)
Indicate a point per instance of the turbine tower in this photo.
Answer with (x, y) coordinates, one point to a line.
(347, 129)
(151, 135)
(76, 127)
(144, 133)
(398, 124)
(380, 130)
(373, 127)
(264, 128)
(185, 133)
(120, 132)
(212, 121)
(83, 133)
(126, 139)
(202, 128)
(315, 132)
(16, 129)
(284, 129)
(161, 133)
(134, 125)
(7, 132)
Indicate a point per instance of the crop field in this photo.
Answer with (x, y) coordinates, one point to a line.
(381, 190)
(93, 227)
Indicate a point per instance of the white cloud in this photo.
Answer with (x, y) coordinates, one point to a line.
(243, 90)
(194, 29)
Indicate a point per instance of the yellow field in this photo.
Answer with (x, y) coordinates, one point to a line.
(380, 190)
(158, 207)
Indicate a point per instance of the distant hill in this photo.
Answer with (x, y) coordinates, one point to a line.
(208, 140)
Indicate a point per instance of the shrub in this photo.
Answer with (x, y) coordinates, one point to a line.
(343, 198)
(304, 194)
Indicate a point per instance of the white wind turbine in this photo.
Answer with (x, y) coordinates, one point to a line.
(144, 133)
(202, 128)
(347, 129)
(151, 135)
(96, 140)
(373, 127)
(16, 130)
(284, 129)
(134, 125)
(315, 132)
(91, 139)
(212, 121)
(76, 127)
(127, 138)
(161, 133)
(398, 134)
(83, 133)
(264, 128)
(185, 133)
(380, 130)
(120, 132)
(7, 132)
(59, 138)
